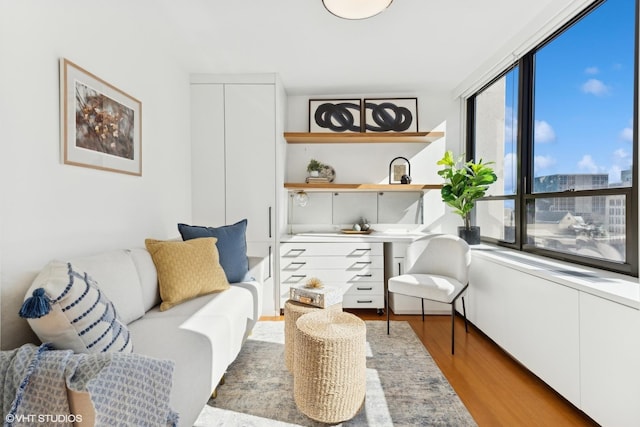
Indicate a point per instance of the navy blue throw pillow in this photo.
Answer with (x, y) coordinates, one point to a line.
(231, 244)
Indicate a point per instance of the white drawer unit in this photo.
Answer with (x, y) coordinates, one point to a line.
(356, 268)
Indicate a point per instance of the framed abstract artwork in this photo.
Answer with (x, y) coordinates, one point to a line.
(101, 125)
(335, 115)
(391, 115)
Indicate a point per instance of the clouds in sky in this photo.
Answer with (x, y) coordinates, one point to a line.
(626, 134)
(621, 160)
(544, 132)
(591, 70)
(595, 87)
(543, 162)
(509, 172)
(588, 165)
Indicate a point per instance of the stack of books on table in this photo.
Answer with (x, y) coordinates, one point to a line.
(317, 180)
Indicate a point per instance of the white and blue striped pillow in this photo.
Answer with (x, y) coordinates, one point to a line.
(68, 309)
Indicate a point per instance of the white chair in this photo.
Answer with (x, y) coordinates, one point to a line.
(436, 269)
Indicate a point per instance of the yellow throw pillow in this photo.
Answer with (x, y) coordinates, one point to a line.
(186, 269)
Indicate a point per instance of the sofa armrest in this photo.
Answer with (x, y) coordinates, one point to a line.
(257, 266)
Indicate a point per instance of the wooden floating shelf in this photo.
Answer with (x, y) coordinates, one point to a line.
(360, 187)
(363, 137)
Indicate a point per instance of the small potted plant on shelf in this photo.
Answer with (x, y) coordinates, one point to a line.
(314, 168)
(464, 183)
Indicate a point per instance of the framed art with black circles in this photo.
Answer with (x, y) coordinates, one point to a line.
(335, 115)
(393, 115)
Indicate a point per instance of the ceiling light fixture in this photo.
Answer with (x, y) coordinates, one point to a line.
(356, 9)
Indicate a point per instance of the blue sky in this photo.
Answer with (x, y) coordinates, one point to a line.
(584, 96)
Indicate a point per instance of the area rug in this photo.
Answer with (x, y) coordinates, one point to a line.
(404, 385)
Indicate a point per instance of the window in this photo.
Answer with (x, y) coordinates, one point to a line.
(559, 125)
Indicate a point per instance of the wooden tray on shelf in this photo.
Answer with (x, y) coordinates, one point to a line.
(350, 231)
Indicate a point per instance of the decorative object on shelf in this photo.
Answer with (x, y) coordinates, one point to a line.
(314, 168)
(394, 115)
(319, 173)
(322, 297)
(328, 172)
(364, 224)
(400, 171)
(356, 9)
(301, 198)
(314, 283)
(100, 124)
(464, 183)
(335, 115)
(352, 231)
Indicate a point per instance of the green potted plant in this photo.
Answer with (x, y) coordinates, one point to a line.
(314, 167)
(464, 183)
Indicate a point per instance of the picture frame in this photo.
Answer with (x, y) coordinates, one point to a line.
(393, 115)
(101, 125)
(335, 115)
(400, 171)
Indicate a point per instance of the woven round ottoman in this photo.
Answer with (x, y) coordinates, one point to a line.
(292, 311)
(329, 375)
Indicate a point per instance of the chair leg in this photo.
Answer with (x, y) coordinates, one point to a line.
(464, 313)
(453, 318)
(388, 310)
(422, 302)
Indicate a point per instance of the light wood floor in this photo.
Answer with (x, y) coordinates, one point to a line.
(496, 389)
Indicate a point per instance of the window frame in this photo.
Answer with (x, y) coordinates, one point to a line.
(524, 168)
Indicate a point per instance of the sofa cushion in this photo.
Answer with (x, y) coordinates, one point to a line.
(232, 245)
(148, 277)
(67, 308)
(118, 277)
(186, 269)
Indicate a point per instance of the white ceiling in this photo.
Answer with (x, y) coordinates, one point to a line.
(415, 45)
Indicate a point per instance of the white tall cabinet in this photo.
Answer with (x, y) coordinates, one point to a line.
(238, 153)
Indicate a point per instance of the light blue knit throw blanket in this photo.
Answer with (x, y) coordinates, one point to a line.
(126, 388)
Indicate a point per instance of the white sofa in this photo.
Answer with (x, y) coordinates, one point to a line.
(202, 336)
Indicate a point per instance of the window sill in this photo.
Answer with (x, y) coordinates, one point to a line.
(614, 287)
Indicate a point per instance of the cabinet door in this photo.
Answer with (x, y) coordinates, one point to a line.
(400, 208)
(250, 158)
(609, 354)
(207, 154)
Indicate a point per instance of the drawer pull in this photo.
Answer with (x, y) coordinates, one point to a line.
(297, 250)
(365, 289)
(363, 262)
(364, 275)
(363, 249)
(298, 262)
(365, 301)
(299, 276)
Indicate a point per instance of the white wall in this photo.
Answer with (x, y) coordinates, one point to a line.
(50, 210)
(369, 163)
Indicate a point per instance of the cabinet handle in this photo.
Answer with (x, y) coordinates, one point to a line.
(297, 250)
(363, 249)
(299, 276)
(368, 301)
(268, 277)
(399, 268)
(364, 289)
(364, 275)
(298, 262)
(269, 221)
(363, 262)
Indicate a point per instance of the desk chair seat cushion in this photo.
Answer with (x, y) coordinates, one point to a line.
(428, 286)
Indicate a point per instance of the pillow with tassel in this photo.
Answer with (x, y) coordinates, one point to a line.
(68, 309)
